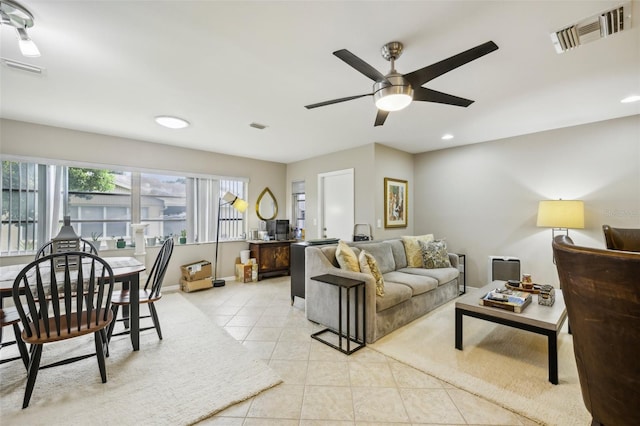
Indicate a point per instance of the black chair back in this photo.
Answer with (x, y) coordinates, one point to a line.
(63, 304)
(156, 275)
(85, 246)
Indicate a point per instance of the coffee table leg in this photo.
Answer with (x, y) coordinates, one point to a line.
(458, 329)
(553, 358)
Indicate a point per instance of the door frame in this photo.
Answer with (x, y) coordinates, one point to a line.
(321, 197)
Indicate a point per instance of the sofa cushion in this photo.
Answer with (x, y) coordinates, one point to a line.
(382, 252)
(399, 254)
(394, 293)
(368, 265)
(412, 248)
(443, 275)
(434, 254)
(418, 283)
(346, 257)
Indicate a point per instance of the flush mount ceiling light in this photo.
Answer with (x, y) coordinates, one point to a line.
(447, 136)
(17, 16)
(171, 122)
(630, 99)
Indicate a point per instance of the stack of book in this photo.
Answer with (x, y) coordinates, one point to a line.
(511, 300)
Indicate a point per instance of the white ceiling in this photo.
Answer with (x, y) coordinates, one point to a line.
(111, 66)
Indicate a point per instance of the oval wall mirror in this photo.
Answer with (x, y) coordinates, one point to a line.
(266, 206)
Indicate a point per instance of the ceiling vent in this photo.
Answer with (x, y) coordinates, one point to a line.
(593, 28)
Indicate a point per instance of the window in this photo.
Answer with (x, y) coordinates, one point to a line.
(99, 202)
(19, 229)
(163, 204)
(104, 203)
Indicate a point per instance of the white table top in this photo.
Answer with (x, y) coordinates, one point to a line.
(546, 317)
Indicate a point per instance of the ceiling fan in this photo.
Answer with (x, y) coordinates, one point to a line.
(395, 91)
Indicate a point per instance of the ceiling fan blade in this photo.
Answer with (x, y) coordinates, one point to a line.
(335, 101)
(360, 65)
(381, 117)
(429, 95)
(419, 77)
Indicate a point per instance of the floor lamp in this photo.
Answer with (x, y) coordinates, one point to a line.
(238, 204)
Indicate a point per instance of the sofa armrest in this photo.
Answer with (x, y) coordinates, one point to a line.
(321, 299)
(454, 260)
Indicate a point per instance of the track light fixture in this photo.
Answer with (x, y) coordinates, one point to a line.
(18, 17)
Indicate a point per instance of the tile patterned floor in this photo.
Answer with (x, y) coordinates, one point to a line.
(321, 385)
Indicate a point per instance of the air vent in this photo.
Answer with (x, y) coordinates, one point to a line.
(22, 66)
(593, 28)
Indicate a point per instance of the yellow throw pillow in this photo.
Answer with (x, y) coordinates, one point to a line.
(413, 250)
(368, 265)
(346, 257)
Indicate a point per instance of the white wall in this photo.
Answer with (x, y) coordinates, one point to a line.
(483, 198)
(361, 159)
(32, 140)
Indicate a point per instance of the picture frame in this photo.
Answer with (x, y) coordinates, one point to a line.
(396, 203)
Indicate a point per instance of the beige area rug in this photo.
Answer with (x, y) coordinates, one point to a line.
(194, 372)
(504, 365)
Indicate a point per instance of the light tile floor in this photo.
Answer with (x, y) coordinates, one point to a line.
(321, 385)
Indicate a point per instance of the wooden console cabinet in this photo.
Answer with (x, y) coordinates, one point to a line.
(272, 257)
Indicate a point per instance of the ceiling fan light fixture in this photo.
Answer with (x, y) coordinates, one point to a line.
(393, 98)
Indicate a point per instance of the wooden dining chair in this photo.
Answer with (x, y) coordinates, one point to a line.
(150, 294)
(9, 317)
(85, 246)
(67, 303)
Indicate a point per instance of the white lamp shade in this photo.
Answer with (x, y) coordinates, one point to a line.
(237, 203)
(568, 214)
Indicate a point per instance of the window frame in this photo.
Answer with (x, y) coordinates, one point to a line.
(192, 212)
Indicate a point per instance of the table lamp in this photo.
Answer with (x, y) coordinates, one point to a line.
(561, 215)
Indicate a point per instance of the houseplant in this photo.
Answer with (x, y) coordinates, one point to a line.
(183, 236)
(120, 243)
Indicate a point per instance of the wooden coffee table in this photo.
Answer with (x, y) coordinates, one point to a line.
(545, 320)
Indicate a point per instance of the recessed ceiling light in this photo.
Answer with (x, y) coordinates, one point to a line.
(171, 122)
(447, 136)
(629, 99)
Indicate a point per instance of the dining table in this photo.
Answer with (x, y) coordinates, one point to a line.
(125, 270)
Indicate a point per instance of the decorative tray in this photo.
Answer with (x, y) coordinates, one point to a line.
(533, 290)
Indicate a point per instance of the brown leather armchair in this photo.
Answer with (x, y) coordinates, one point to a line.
(601, 289)
(627, 239)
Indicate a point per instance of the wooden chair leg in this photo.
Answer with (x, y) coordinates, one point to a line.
(98, 338)
(155, 319)
(34, 366)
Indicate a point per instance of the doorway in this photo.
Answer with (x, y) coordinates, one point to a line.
(336, 204)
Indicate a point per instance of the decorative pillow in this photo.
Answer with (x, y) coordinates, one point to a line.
(369, 265)
(434, 254)
(413, 251)
(347, 259)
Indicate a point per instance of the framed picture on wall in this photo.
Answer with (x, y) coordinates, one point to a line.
(396, 203)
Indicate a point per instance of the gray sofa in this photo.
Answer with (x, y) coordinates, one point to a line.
(409, 292)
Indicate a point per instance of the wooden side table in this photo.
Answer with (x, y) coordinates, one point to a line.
(346, 284)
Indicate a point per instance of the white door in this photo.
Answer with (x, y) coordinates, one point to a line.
(336, 204)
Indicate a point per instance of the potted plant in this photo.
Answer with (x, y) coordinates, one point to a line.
(95, 237)
(183, 236)
(111, 242)
(121, 243)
